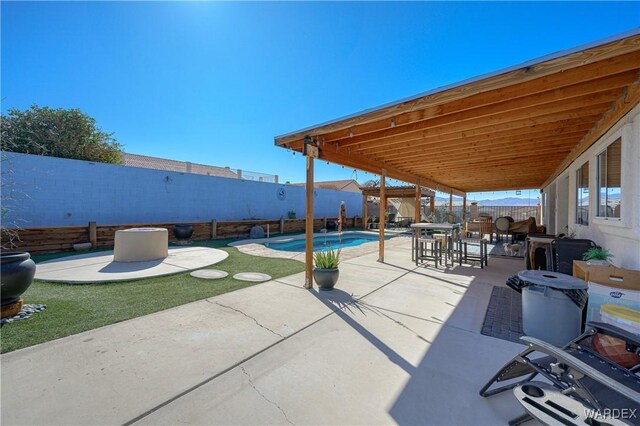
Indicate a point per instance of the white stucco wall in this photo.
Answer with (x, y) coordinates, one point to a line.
(48, 191)
(621, 237)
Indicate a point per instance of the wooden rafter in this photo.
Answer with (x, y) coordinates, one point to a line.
(625, 104)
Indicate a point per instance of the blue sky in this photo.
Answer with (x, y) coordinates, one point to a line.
(215, 82)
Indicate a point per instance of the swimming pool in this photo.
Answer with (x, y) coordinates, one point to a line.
(327, 242)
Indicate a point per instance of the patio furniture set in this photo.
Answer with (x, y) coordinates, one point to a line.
(592, 379)
(444, 243)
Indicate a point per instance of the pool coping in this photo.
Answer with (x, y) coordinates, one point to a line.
(256, 247)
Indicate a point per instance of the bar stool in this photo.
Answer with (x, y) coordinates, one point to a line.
(428, 248)
(445, 246)
(463, 252)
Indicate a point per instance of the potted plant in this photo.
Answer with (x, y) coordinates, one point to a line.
(16, 276)
(597, 256)
(183, 231)
(326, 271)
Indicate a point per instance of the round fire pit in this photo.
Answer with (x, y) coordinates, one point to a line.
(141, 244)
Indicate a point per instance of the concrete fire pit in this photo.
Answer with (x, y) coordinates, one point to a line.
(141, 244)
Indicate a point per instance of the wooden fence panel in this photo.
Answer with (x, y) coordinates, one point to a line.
(50, 240)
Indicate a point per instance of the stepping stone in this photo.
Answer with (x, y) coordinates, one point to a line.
(209, 274)
(255, 277)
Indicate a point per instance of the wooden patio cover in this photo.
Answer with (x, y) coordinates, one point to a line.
(513, 129)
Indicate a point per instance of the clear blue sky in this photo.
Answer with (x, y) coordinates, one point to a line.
(215, 82)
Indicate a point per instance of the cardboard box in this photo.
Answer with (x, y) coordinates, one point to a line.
(581, 269)
(614, 297)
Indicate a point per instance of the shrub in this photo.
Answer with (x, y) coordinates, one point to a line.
(327, 259)
(597, 253)
(57, 132)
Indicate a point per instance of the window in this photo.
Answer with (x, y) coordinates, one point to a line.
(609, 180)
(582, 194)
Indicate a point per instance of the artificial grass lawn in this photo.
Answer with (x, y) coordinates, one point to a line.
(72, 309)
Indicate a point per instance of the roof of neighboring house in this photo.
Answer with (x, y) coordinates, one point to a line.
(147, 162)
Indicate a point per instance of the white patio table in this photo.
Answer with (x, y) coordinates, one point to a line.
(449, 229)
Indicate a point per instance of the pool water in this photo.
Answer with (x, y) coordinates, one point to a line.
(328, 242)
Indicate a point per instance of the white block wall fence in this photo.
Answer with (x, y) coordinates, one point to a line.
(43, 191)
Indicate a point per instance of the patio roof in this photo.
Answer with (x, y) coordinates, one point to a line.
(515, 128)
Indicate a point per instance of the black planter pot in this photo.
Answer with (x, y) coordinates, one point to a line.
(326, 278)
(183, 232)
(332, 225)
(17, 274)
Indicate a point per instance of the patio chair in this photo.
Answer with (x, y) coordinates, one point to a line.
(567, 250)
(486, 227)
(391, 221)
(502, 225)
(483, 226)
(538, 251)
(428, 248)
(463, 254)
(578, 371)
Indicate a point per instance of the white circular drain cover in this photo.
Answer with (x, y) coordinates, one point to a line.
(209, 274)
(252, 276)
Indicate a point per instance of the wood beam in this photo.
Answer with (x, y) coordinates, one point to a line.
(308, 227)
(496, 150)
(488, 116)
(626, 103)
(416, 215)
(482, 175)
(365, 208)
(383, 215)
(464, 209)
(432, 204)
(582, 115)
(450, 208)
(528, 101)
(470, 162)
(330, 153)
(488, 140)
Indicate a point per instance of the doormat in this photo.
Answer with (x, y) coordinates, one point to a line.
(503, 319)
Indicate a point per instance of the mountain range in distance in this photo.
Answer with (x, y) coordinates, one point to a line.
(507, 201)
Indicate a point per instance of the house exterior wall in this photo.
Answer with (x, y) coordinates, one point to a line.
(48, 191)
(621, 237)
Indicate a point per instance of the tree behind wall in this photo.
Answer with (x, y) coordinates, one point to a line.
(57, 132)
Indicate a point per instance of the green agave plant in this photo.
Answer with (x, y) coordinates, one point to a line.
(327, 259)
(597, 253)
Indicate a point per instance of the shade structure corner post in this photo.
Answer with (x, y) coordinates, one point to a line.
(365, 213)
(308, 258)
(451, 207)
(464, 208)
(383, 215)
(417, 216)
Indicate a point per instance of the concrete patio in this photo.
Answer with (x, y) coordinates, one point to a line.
(392, 344)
